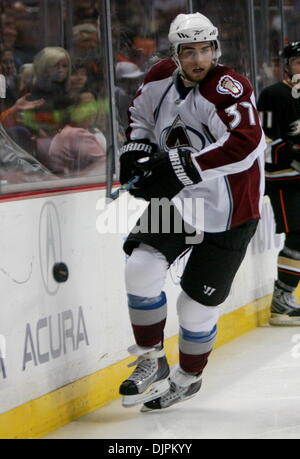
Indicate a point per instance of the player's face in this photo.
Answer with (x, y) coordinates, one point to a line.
(196, 60)
(294, 66)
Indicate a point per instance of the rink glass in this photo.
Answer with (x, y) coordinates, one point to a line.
(113, 43)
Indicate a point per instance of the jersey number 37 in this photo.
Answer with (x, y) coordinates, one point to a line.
(233, 110)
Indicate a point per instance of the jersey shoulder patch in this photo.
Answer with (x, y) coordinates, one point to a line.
(223, 86)
(228, 85)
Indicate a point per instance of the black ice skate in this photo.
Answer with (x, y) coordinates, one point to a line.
(150, 378)
(182, 387)
(284, 309)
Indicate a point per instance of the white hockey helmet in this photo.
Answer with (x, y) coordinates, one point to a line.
(193, 28)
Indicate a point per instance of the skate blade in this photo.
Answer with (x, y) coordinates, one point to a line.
(156, 390)
(146, 409)
(284, 320)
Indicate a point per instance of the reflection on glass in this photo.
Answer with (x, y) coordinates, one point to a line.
(291, 11)
(140, 38)
(268, 42)
(55, 113)
(231, 18)
(53, 59)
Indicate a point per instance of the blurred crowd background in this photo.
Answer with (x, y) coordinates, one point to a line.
(71, 67)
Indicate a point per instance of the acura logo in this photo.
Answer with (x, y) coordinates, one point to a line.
(50, 246)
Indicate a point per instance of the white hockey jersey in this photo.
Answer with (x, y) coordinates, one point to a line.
(218, 121)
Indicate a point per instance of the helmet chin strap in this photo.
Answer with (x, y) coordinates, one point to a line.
(187, 82)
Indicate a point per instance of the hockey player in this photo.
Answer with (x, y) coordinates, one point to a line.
(194, 133)
(280, 107)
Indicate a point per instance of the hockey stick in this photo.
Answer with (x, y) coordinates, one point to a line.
(130, 184)
(125, 187)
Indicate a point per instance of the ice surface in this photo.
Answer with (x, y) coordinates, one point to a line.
(250, 390)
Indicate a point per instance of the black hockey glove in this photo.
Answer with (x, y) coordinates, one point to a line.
(296, 153)
(285, 154)
(130, 153)
(165, 174)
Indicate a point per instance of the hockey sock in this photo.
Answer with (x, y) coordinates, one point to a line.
(289, 267)
(282, 286)
(194, 349)
(148, 318)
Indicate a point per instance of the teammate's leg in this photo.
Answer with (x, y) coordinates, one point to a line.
(284, 309)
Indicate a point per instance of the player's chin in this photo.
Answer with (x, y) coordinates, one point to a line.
(198, 75)
(197, 79)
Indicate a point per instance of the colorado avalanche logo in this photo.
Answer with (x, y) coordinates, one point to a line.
(227, 85)
(180, 135)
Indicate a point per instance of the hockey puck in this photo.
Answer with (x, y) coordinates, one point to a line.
(60, 272)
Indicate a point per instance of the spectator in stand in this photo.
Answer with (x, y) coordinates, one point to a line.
(9, 35)
(10, 117)
(8, 18)
(85, 114)
(25, 79)
(51, 82)
(52, 64)
(85, 40)
(128, 78)
(16, 164)
(86, 12)
(11, 120)
(86, 48)
(10, 72)
(79, 148)
(78, 79)
(51, 78)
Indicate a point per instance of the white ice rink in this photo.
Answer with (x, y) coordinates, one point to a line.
(251, 389)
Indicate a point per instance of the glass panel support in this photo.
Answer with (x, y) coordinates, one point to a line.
(252, 44)
(112, 148)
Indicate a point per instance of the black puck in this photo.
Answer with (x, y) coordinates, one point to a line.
(60, 272)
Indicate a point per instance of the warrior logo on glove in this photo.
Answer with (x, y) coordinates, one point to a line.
(178, 168)
(130, 153)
